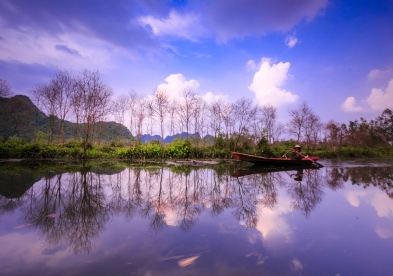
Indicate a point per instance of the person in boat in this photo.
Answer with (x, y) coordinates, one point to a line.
(298, 152)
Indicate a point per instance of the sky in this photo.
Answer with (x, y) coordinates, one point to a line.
(335, 55)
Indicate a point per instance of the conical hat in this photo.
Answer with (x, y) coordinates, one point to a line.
(297, 146)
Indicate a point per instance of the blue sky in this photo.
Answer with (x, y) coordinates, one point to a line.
(334, 54)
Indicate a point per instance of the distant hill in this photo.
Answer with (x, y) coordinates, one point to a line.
(20, 117)
(183, 135)
(168, 139)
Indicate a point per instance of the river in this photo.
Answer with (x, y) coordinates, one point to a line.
(196, 218)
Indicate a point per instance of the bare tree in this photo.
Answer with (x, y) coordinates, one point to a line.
(312, 126)
(172, 111)
(133, 99)
(303, 122)
(159, 108)
(198, 109)
(45, 97)
(244, 111)
(278, 131)
(63, 84)
(140, 115)
(5, 89)
(226, 114)
(36, 95)
(186, 107)
(120, 106)
(269, 119)
(215, 120)
(297, 120)
(91, 103)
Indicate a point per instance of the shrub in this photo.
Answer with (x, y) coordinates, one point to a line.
(180, 148)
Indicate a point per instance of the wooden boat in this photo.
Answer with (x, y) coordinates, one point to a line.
(275, 161)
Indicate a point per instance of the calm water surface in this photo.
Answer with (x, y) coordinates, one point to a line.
(171, 219)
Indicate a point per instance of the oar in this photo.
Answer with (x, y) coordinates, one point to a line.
(285, 154)
(315, 162)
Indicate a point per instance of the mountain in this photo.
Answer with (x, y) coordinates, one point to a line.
(168, 139)
(182, 135)
(20, 117)
(146, 138)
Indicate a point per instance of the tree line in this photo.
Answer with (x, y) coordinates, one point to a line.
(243, 125)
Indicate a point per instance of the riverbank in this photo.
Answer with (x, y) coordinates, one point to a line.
(17, 149)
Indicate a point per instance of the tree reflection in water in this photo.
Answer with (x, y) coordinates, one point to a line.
(306, 194)
(73, 207)
(70, 208)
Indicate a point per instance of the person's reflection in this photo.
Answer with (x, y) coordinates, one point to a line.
(298, 176)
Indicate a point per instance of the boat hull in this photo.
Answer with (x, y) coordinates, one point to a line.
(274, 161)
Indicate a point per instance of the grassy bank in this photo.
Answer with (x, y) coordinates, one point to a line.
(18, 148)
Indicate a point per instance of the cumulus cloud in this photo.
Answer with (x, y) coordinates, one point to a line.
(175, 84)
(380, 99)
(291, 41)
(180, 25)
(210, 97)
(267, 83)
(349, 105)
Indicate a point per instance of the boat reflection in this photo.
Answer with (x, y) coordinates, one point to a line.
(263, 169)
(73, 204)
(306, 191)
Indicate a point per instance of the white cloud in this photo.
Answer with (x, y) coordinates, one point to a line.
(291, 41)
(380, 99)
(353, 197)
(379, 200)
(180, 25)
(378, 74)
(175, 84)
(267, 83)
(251, 65)
(383, 232)
(70, 50)
(209, 97)
(383, 205)
(296, 265)
(231, 19)
(350, 105)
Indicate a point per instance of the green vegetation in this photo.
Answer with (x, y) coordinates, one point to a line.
(21, 118)
(26, 132)
(181, 148)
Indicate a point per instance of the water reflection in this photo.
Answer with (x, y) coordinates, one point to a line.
(72, 204)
